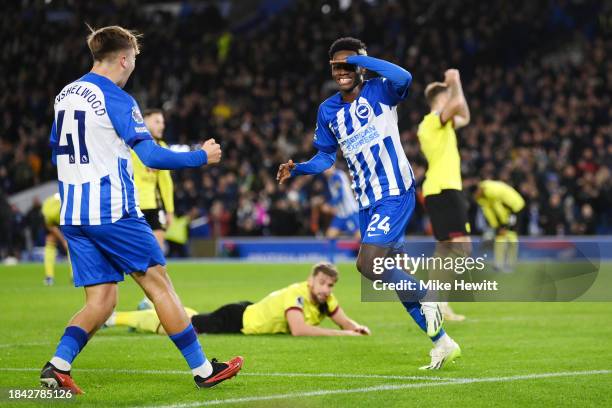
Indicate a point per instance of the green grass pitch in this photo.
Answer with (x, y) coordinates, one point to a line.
(514, 354)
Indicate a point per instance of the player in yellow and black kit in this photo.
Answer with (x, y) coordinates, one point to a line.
(51, 212)
(297, 309)
(155, 187)
(444, 200)
(500, 204)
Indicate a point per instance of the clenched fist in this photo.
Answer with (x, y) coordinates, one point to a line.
(213, 151)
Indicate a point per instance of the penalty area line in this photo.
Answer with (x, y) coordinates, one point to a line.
(317, 393)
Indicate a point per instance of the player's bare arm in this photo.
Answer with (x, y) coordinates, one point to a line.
(456, 107)
(299, 327)
(346, 323)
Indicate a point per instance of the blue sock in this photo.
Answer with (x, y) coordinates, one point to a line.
(397, 276)
(409, 299)
(71, 343)
(187, 342)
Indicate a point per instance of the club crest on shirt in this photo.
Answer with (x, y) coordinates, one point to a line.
(136, 115)
(363, 111)
(299, 301)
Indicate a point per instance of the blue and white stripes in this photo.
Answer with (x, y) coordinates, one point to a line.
(342, 198)
(366, 131)
(93, 203)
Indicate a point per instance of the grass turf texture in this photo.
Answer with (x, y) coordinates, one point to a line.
(498, 340)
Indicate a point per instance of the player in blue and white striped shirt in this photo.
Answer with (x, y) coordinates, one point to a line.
(361, 119)
(96, 124)
(344, 206)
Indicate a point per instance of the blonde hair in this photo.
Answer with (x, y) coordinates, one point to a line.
(434, 89)
(107, 40)
(325, 268)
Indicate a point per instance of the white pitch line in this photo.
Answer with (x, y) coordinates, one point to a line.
(381, 388)
(255, 374)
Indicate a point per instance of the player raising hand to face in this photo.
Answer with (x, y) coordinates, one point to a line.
(361, 120)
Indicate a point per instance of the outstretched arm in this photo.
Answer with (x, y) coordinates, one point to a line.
(157, 157)
(346, 323)
(318, 164)
(299, 327)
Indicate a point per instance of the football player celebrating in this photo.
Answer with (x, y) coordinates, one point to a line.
(361, 118)
(96, 123)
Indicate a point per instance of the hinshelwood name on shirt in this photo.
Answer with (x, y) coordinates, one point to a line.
(435, 285)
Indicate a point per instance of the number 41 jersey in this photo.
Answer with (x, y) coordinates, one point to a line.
(96, 124)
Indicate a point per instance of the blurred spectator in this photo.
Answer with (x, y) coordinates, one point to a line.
(537, 76)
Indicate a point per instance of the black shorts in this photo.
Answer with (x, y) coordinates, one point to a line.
(226, 319)
(448, 212)
(155, 218)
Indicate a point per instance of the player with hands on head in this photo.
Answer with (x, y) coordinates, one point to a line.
(445, 202)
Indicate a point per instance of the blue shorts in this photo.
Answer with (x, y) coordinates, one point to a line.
(384, 223)
(103, 253)
(348, 225)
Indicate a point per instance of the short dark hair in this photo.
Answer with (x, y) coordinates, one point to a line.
(434, 89)
(325, 268)
(107, 40)
(347, 44)
(151, 111)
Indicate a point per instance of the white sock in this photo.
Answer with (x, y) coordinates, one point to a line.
(60, 364)
(205, 370)
(111, 320)
(445, 340)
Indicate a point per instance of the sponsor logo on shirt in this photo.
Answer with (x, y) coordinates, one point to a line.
(354, 143)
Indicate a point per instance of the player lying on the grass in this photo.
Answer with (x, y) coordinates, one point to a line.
(445, 203)
(297, 309)
(500, 204)
(51, 213)
(96, 123)
(362, 119)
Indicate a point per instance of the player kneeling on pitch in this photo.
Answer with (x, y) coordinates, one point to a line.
(500, 205)
(297, 309)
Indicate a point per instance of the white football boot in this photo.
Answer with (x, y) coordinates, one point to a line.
(445, 351)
